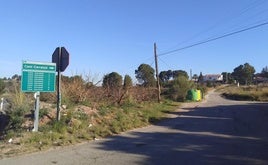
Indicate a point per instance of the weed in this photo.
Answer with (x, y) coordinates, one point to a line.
(43, 112)
(59, 126)
(252, 93)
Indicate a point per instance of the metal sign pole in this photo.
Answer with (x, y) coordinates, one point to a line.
(36, 112)
(2, 104)
(58, 86)
(61, 57)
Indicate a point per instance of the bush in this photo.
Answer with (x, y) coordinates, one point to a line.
(43, 112)
(17, 118)
(48, 97)
(178, 88)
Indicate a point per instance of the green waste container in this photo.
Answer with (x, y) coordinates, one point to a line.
(194, 95)
(199, 95)
(191, 95)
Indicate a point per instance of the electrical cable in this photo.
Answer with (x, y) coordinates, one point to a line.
(164, 62)
(243, 11)
(215, 38)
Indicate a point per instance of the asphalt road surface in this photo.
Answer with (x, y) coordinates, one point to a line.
(216, 131)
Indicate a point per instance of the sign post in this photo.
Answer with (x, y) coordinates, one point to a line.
(37, 77)
(36, 111)
(61, 58)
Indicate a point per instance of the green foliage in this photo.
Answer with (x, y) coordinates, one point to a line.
(165, 76)
(17, 117)
(43, 112)
(20, 105)
(112, 81)
(145, 75)
(178, 88)
(244, 74)
(179, 73)
(227, 78)
(127, 82)
(59, 126)
(112, 84)
(104, 110)
(121, 122)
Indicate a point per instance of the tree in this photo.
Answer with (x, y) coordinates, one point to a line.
(165, 76)
(127, 82)
(227, 77)
(112, 80)
(113, 85)
(195, 77)
(179, 87)
(264, 72)
(16, 77)
(244, 73)
(178, 73)
(145, 75)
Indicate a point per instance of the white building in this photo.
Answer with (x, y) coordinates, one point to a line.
(213, 77)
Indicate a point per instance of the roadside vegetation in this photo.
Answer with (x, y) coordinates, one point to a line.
(246, 93)
(90, 110)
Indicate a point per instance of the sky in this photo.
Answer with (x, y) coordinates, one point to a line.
(104, 36)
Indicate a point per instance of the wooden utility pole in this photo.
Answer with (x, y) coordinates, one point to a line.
(157, 75)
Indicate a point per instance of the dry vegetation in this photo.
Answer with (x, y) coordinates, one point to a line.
(88, 112)
(249, 93)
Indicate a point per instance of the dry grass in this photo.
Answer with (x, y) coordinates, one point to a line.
(249, 93)
(90, 114)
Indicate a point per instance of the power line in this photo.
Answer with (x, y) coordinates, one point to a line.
(229, 18)
(213, 39)
(164, 62)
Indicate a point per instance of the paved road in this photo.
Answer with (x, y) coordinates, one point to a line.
(216, 131)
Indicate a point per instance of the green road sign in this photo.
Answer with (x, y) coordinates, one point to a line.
(38, 76)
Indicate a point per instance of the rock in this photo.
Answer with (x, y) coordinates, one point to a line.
(64, 106)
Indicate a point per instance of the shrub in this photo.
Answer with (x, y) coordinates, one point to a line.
(17, 118)
(74, 90)
(178, 88)
(43, 112)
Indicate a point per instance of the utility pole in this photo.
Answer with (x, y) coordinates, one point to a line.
(157, 76)
(191, 76)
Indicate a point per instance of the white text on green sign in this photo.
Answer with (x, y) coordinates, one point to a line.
(38, 76)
